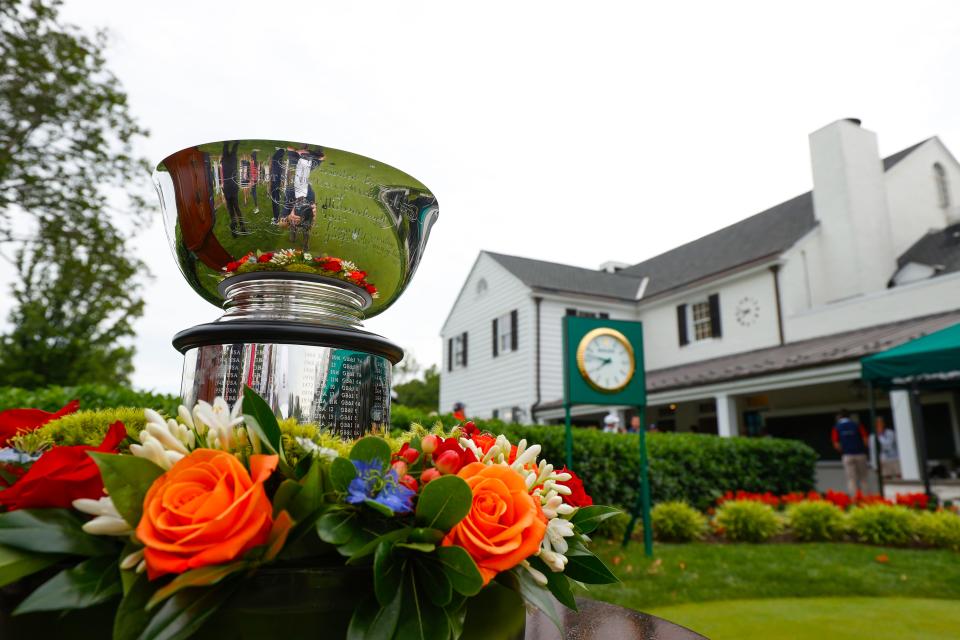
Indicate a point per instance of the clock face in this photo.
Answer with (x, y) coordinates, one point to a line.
(605, 359)
(747, 311)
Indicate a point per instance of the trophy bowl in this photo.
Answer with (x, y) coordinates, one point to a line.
(298, 243)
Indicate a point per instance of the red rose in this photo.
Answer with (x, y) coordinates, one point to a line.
(372, 290)
(265, 257)
(13, 421)
(245, 258)
(232, 266)
(463, 456)
(578, 496)
(62, 475)
(470, 429)
(357, 276)
(329, 264)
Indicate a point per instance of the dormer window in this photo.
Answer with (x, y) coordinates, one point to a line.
(943, 187)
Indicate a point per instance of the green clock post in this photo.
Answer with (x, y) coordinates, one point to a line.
(603, 365)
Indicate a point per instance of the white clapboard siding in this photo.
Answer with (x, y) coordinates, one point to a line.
(488, 382)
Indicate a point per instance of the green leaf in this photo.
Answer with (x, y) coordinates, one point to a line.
(460, 569)
(421, 620)
(371, 547)
(342, 473)
(557, 582)
(536, 595)
(17, 563)
(589, 518)
(444, 502)
(382, 509)
(496, 613)
(186, 611)
(202, 577)
(421, 534)
(422, 547)
(387, 573)
(132, 617)
(372, 448)
(370, 620)
(51, 531)
(311, 496)
(337, 527)
(434, 581)
(127, 479)
(361, 537)
(91, 582)
(589, 569)
(285, 494)
(258, 415)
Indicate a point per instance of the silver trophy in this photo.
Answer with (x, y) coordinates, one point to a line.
(298, 243)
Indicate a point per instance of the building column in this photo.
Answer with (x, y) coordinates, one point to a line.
(728, 418)
(906, 441)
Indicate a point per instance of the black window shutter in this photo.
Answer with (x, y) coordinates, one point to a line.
(464, 348)
(571, 311)
(715, 315)
(682, 324)
(449, 354)
(496, 346)
(513, 330)
(604, 315)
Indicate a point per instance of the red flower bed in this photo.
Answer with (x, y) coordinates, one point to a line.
(842, 500)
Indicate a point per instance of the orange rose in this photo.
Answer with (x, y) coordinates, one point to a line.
(505, 525)
(205, 510)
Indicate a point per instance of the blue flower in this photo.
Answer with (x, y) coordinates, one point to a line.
(371, 483)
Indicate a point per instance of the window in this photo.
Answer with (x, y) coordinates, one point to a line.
(505, 333)
(699, 320)
(457, 352)
(481, 286)
(943, 188)
(587, 314)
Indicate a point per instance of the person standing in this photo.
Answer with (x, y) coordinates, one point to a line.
(634, 425)
(889, 455)
(278, 171)
(850, 439)
(611, 423)
(459, 411)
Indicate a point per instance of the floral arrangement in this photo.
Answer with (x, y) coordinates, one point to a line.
(174, 522)
(299, 261)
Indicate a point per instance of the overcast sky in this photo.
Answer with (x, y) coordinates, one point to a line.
(572, 132)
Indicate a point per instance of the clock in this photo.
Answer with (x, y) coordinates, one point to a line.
(605, 360)
(747, 311)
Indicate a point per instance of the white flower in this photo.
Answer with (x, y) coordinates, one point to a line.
(537, 575)
(556, 561)
(151, 449)
(171, 434)
(107, 521)
(316, 450)
(220, 422)
(558, 530)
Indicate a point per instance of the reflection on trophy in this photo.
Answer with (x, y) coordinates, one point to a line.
(298, 244)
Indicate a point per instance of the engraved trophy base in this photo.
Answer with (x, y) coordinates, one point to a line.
(336, 378)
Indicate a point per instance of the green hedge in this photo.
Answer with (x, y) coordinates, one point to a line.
(91, 396)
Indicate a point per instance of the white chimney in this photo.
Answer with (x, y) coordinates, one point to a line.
(850, 203)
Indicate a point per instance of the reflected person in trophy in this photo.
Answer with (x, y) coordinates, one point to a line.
(229, 164)
(299, 214)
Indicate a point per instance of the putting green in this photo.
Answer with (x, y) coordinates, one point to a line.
(820, 618)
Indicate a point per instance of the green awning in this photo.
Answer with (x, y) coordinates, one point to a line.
(933, 359)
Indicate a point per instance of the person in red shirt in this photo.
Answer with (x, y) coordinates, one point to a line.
(459, 411)
(850, 439)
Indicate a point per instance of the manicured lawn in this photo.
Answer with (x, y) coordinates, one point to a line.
(818, 591)
(820, 618)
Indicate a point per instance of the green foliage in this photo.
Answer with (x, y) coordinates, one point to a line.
(422, 394)
(677, 522)
(882, 524)
(939, 529)
(816, 521)
(66, 139)
(91, 396)
(745, 521)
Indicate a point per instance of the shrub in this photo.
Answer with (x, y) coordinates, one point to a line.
(91, 396)
(882, 524)
(747, 521)
(616, 527)
(82, 427)
(816, 521)
(677, 522)
(939, 528)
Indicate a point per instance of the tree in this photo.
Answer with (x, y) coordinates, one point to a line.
(66, 140)
(421, 393)
(58, 336)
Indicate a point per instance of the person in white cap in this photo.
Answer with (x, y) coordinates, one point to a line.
(611, 423)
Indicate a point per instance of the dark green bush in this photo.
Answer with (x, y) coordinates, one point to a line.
(747, 521)
(91, 396)
(677, 522)
(882, 524)
(816, 521)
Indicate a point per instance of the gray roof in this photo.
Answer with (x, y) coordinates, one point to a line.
(757, 238)
(939, 249)
(825, 350)
(553, 276)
